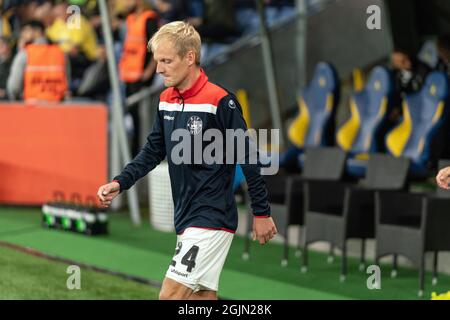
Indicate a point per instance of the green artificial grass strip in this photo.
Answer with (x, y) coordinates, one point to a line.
(24, 276)
(145, 252)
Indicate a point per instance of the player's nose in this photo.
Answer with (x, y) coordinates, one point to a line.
(159, 68)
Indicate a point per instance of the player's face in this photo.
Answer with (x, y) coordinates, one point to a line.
(170, 65)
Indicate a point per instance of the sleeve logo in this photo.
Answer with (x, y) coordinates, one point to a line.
(232, 104)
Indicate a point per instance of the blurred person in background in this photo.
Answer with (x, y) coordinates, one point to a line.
(409, 74)
(247, 16)
(5, 64)
(5, 26)
(40, 71)
(21, 11)
(79, 42)
(277, 10)
(44, 13)
(170, 10)
(137, 66)
(95, 83)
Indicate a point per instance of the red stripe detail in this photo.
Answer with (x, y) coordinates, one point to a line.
(206, 228)
(266, 216)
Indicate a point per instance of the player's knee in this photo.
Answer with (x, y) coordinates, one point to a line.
(204, 295)
(165, 294)
(174, 291)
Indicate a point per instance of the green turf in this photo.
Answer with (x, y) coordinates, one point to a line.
(144, 252)
(24, 276)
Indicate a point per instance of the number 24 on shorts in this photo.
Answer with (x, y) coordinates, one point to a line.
(188, 259)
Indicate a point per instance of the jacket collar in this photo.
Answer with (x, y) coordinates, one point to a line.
(196, 87)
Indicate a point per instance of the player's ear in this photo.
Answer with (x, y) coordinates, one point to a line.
(190, 56)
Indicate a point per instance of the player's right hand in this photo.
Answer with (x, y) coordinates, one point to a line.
(107, 193)
(443, 178)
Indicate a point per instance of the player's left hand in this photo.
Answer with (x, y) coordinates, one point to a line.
(264, 229)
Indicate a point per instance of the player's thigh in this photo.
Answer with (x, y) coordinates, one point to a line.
(173, 290)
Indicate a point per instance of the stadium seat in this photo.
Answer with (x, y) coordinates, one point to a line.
(314, 125)
(364, 131)
(411, 225)
(420, 135)
(338, 211)
(428, 53)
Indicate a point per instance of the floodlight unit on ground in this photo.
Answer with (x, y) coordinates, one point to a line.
(117, 108)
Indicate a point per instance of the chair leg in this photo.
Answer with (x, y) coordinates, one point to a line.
(298, 251)
(304, 267)
(421, 275)
(343, 276)
(304, 254)
(394, 271)
(284, 261)
(330, 258)
(362, 264)
(435, 265)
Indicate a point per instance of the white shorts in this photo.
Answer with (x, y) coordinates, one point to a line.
(199, 258)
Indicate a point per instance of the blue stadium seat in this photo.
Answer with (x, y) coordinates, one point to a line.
(314, 124)
(363, 132)
(418, 135)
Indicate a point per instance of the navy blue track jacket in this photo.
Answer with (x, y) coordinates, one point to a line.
(202, 193)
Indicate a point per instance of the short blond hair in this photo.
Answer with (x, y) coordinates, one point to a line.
(182, 34)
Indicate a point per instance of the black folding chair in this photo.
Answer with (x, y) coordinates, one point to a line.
(336, 211)
(320, 163)
(412, 224)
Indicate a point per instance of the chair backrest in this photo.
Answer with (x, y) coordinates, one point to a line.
(442, 193)
(324, 163)
(424, 113)
(369, 109)
(428, 53)
(386, 172)
(317, 103)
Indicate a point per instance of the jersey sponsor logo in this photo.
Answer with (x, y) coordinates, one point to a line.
(170, 118)
(179, 273)
(194, 125)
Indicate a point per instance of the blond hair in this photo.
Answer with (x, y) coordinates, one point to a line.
(183, 36)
